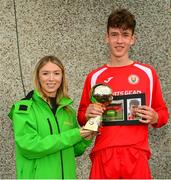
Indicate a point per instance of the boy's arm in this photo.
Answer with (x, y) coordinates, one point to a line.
(84, 102)
(158, 103)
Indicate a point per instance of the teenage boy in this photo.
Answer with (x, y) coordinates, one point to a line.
(123, 151)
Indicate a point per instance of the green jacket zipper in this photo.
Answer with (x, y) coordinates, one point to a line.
(60, 150)
(50, 126)
(51, 132)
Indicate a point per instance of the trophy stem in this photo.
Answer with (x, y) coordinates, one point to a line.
(93, 123)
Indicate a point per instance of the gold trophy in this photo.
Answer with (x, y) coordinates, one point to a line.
(100, 93)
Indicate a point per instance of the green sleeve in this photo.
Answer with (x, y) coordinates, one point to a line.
(81, 146)
(32, 145)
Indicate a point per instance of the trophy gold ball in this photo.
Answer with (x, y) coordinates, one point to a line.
(100, 93)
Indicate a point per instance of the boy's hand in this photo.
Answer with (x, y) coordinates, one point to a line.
(93, 110)
(147, 113)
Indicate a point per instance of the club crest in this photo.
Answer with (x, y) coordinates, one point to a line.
(133, 79)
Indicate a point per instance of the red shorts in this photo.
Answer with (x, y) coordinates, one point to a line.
(120, 163)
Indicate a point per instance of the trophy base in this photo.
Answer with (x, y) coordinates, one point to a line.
(93, 123)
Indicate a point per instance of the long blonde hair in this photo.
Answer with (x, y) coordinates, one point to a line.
(63, 89)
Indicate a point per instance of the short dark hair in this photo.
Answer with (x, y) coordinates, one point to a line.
(121, 18)
(134, 102)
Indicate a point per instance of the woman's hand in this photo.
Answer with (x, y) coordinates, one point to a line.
(87, 134)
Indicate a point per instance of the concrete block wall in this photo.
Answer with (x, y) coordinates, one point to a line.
(73, 30)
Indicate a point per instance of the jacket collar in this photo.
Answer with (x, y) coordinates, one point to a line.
(63, 101)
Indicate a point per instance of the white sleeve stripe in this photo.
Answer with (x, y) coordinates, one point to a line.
(150, 75)
(95, 76)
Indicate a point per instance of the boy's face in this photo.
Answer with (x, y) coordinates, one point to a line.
(133, 109)
(119, 41)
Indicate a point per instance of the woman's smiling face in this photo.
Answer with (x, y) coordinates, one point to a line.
(50, 78)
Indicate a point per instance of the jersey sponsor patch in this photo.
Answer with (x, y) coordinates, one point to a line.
(126, 92)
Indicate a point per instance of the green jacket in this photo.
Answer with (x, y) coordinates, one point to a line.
(46, 144)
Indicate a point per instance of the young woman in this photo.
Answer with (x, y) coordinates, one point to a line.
(46, 132)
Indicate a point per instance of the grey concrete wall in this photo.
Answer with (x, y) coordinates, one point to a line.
(73, 30)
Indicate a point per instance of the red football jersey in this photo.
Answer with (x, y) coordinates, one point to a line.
(131, 79)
